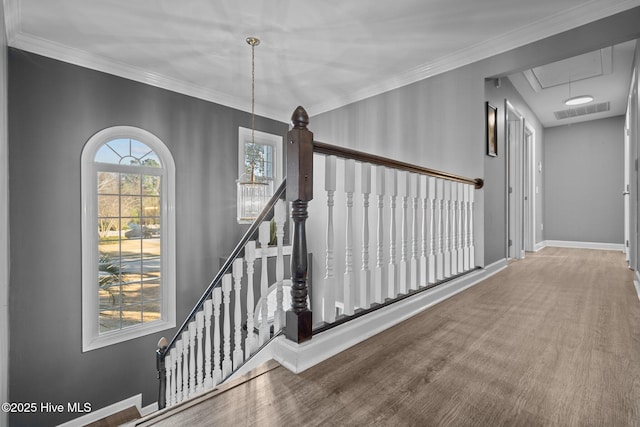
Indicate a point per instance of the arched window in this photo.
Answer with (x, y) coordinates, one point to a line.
(128, 237)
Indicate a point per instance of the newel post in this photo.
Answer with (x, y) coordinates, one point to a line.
(162, 373)
(299, 193)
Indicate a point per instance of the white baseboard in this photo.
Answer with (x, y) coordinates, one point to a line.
(540, 245)
(581, 245)
(636, 283)
(299, 357)
(108, 410)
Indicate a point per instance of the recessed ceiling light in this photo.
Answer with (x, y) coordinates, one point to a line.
(578, 100)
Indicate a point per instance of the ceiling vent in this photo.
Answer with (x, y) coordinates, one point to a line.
(581, 111)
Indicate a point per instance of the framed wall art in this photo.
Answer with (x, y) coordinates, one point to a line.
(491, 130)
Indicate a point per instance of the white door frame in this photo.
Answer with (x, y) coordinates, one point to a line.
(514, 135)
(529, 188)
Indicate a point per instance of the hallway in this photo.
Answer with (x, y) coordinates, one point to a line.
(551, 340)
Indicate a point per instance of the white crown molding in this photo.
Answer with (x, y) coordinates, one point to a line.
(564, 21)
(11, 18)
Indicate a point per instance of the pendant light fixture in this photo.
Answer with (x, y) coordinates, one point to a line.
(577, 100)
(252, 194)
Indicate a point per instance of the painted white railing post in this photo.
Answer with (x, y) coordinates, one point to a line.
(454, 229)
(413, 263)
(424, 254)
(465, 235)
(365, 273)
(379, 270)
(440, 230)
(185, 364)
(176, 387)
(447, 228)
(192, 358)
(238, 355)
(264, 237)
(329, 297)
(217, 359)
(460, 234)
(171, 385)
(472, 248)
(250, 258)
(404, 264)
(280, 216)
(349, 285)
(227, 365)
(208, 369)
(392, 290)
(200, 355)
(433, 237)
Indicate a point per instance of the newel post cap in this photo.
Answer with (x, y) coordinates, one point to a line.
(300, 118)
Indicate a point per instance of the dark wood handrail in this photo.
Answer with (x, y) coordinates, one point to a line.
(253, 228)
(347, 153)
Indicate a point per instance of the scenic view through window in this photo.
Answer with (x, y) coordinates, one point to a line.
(129, 180)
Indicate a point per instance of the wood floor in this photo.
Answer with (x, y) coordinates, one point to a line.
(552, 340)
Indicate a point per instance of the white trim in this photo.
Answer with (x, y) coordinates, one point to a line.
(540, 245)
(299, 357)
(636, 283)
(582, 245)
(105, 412)
(91, 339)
(568, 19)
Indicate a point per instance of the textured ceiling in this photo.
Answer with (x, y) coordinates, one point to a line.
(319, 54)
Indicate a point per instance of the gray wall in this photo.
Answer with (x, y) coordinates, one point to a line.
(496, 168)
(54, 108)
(584, 179)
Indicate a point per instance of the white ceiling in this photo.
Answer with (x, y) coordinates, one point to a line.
(604, 74)
(319, 54)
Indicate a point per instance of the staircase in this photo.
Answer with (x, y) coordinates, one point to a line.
(233, 320)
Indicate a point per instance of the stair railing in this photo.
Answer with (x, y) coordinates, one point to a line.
(436, 243)
(196, 360)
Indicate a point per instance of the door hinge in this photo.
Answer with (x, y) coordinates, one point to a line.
(511, 189)
(627, 243)
(510, 242)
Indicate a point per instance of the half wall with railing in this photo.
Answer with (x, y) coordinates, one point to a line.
(383, 230)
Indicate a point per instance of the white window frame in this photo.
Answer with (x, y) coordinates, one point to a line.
(91, 338)
(276, 141)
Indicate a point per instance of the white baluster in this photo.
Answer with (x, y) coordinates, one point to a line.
(170, 364)
(424, 254)
(447, 228)
(393, 192)
(250, 258)
(227, 365)
(329, 297)
(433, 236)
(465, 237)
(192, 358)
(379, 270)
(349, 285)
(217, 305)
(365, 273)
(208, 312)
(472, 248)
(179, 363)
(185, 364)
(404, 263)
(264, 237)
(238, 354)
(413, 263)
(460, 200)
(199, 355)
(173, 386)
(280, 216)
(454, 228)
(439, 229)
